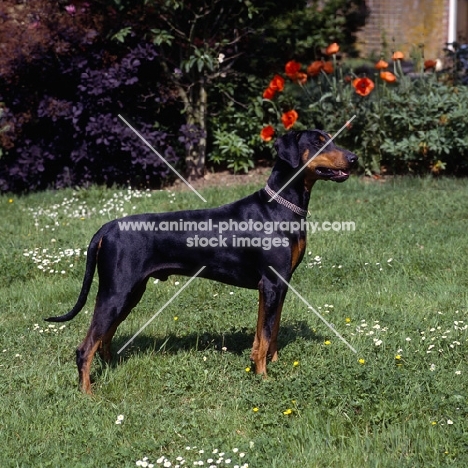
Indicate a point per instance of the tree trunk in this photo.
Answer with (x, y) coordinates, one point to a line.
(196, 101)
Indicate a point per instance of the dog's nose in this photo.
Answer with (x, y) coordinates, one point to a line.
(351, 157)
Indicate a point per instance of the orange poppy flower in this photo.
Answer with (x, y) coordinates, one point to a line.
(289, 119)
(363, 86)
(332, 49)
(292, 68)
(381, 64)
(397, 55)
(328, 68)
(277, 83)
(269, 93)
(314, 68)
(300, 78)
(267, 133)
(429, 64)
(387, 76)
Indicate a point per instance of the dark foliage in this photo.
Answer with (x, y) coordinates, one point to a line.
(60, 127)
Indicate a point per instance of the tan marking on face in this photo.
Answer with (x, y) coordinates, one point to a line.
(333, 159)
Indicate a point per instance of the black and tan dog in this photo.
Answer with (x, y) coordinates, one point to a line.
(256, 234)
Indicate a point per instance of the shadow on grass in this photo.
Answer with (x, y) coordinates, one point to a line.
(236, 341)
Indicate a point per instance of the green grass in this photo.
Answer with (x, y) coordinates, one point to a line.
(396, 286)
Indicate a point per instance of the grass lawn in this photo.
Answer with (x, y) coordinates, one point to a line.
(395, 288)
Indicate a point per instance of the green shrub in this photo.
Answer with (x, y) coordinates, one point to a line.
(402, 123)
(232, 149)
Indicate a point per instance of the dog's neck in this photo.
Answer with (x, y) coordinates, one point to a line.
(291, 187)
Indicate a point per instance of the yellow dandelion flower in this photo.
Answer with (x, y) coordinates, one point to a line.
(176, 318)
(10, 200)
(255, 410)
(288, 411)
(362, 361)
(326, 343)
(247, 369)
(397, 357)
(347, 320)
(295, 363)
(434, 423)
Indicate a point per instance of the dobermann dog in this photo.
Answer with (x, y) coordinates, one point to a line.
(241, 256)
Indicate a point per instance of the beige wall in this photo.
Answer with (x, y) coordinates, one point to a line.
(405, 25)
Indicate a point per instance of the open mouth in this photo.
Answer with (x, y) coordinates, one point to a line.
(337, 175)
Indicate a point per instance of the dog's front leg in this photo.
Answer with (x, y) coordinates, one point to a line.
(271, 298)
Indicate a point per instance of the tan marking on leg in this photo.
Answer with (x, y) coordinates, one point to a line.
(105, 348)
(260, 345)
(273, 349)
(85, 379)
(260, 360)
(260, 321)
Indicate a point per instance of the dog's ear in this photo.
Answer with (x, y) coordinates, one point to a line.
(287, 148)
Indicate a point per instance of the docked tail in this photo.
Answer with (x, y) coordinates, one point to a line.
(91, 261)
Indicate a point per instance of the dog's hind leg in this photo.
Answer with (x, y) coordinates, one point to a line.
(105, 348)
(110, 311)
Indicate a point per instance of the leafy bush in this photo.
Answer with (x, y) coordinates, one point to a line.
(403, 124)
(68, 69)
(59, 113)
(236, 103)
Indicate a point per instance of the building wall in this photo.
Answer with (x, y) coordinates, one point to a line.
(462, 21)
(405, 25)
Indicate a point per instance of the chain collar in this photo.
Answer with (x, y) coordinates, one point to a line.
(282, 201)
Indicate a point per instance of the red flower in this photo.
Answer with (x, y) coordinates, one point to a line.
(300, 78)
(277, 83)
(314, 68)
(328, 68)
(387, 76)
(267, 133)
(428, 64)
(289, 119)
(363, 86)
(269, 93)
(397, 55)
(332, 49)
(292, 69)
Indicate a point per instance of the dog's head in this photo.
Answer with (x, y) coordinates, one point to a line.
(314, 149)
